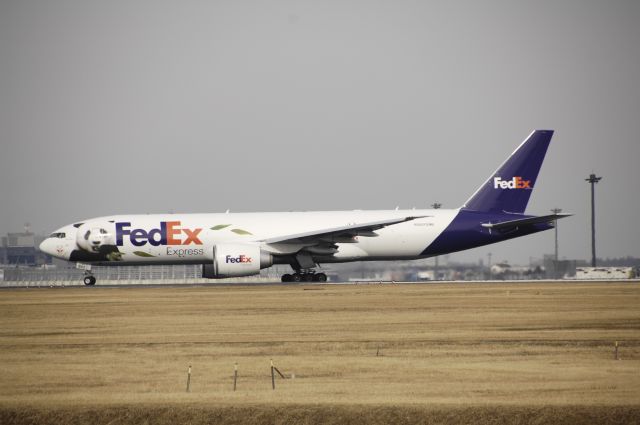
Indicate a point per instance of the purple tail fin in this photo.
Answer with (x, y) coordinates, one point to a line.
(509, 188)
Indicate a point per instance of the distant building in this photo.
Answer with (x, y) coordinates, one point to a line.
(605, 273)
(560, 269)
(22, 249)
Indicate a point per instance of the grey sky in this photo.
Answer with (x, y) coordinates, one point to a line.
(194, 106)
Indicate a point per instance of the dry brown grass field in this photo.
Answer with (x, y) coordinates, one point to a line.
(407, 353)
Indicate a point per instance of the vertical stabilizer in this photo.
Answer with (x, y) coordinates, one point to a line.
(508, 189)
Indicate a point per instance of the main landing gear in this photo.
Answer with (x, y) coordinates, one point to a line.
(304, 265)
(304, 277)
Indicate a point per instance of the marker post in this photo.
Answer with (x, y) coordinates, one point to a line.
(235, 375)
(189, 379)
(273, 377)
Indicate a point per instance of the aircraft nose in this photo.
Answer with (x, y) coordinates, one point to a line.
(47, 246)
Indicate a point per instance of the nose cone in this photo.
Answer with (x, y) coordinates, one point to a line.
(56, 247)
(47, 246)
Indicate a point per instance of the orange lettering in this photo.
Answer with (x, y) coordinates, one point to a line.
(171, 232)
(192, 236)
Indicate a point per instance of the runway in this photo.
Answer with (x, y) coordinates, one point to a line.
(239, 283)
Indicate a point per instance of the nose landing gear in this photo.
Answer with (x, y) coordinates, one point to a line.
(89, 279)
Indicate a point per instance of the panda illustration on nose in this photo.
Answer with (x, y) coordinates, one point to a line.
(98, 240)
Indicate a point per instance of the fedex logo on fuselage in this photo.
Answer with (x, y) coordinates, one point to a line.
(169, 233)
(514, 183)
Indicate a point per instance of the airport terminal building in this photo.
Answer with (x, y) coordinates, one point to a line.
(21, 249)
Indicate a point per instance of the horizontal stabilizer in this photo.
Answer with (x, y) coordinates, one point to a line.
(525, 221)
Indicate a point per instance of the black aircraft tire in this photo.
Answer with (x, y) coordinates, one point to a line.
(286, 278)
(320, 277)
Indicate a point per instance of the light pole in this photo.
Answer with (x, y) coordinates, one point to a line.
(435, 206)
(555, 224)
(555, 256)
(593, 180)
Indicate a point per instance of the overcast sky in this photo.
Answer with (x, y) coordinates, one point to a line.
(113, 107)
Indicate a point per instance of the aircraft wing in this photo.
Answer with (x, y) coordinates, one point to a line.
(525, 221)
(348, 231)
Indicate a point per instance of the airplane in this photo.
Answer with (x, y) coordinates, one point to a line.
(241, 244)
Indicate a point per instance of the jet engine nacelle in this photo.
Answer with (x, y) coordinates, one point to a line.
(235, 260)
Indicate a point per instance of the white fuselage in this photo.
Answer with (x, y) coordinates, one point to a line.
(192, 236)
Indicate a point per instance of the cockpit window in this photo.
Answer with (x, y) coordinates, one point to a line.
(59, 235)
(86, 235)
(103, 232)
